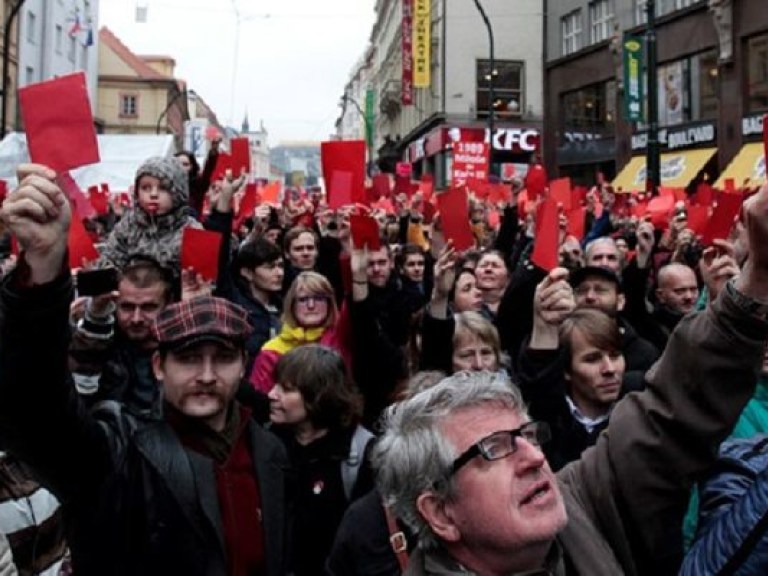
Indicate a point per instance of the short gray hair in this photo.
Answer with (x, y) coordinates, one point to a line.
(413, 456)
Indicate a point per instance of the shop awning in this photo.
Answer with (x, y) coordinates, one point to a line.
(677, 169)
(748, 164)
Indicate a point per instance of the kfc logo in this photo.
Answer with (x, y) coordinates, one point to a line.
(516, 140)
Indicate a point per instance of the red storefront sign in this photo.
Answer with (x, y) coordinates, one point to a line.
(406, 85)
(508, 139)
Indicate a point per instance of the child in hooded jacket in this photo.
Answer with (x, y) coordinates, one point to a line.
(154, 225)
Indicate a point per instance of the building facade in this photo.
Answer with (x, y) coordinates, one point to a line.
(139, 94)
(58, 37)
(424, 103)
(712, 75)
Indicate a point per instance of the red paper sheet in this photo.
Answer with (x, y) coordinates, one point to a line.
(499, 193)
(340, 189)
(660, 208)
(545, 242)
(765, 137)
(454, 216)
(560, 192)
(59, 123)
(576, 220)
(200, 251)
(81, 248)
(248, 202)
(364, 231)
(3, 190)
(427, 186)
(344, 156)
(535, 181)
(723, 216)
(79, 200)
(241, 156)
(697, 218)
(704, 194)
(381, 186)
(270, 193)
(223, 163)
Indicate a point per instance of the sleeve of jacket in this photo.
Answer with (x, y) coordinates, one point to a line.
(507, 236)
(221, 222)
(514, 319)
(7, 567)
(42, 420)
(661, 440)
(437, 343)
(540, 377)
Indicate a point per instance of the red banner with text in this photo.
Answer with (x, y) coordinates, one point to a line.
(406, 86)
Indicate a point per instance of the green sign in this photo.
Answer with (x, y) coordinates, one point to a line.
(633, 49)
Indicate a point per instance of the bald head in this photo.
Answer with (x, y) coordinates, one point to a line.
(677, 289)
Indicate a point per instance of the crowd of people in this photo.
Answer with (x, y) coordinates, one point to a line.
(321, 408)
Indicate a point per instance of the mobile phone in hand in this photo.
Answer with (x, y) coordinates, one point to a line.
(96, 282)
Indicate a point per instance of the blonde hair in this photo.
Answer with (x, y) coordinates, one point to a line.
(313, 283)
(475, 325)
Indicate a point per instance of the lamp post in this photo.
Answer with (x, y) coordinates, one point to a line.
(652, 162)
(6, 63)
(491, 92)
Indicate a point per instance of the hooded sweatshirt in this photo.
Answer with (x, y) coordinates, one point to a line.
(158, 236)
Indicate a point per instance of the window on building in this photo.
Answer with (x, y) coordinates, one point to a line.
(59, 38)
(590, 112)
(600, 20)
(29, 76)
(129, 105)
(31, 27)
(570, 26)
(757, 75)
(508, 78)
(684, 3)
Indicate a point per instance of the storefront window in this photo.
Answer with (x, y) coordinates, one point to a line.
(687, 89)
(507, 87)
(590, 112)
(757, 58)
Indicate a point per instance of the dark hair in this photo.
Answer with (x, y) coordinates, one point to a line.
(408, 250)
(294, 233)
(195, 171)
(467, 260)
(459, 273)
(255, 253)
(597, 327)
(319, 374)
(143, 271)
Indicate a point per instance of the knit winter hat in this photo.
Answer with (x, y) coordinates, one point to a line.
(168, 170)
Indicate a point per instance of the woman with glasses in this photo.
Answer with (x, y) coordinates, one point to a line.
(310, 316)
(315, 410)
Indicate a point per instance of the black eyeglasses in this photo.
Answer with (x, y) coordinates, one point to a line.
(503, 443)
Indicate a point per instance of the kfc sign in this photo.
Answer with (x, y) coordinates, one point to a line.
(516, 140)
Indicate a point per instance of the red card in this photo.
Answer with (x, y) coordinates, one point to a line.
(99, 200)
(249, 201)
(723, 216)
(381, 186)
(402, 185)
(340, 189)
(81, 248)
(77, 198)
(546, 239)
(427, 186)
(200, 251)
(364, 231)
(730, 186)
(223, 163)
(429, 211)
(494, 219)
(765, 137)
(704, 194)
(660, 208)
(271, 193)
(59, 123)
(344, 156)
(384, 204)
(697, 218)
(241, 156)
(454, 216)
(560, 192)
(576, 219)
(535, 181)
(212, 133)
(3, 190)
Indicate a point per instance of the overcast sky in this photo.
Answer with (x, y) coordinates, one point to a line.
(294, 56)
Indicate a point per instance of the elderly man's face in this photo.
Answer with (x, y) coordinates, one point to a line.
(678, 290)
(604, 255)
(511, 504)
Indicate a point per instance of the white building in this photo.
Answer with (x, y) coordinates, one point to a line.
(259, 144)
(457, 95)
(59, 37)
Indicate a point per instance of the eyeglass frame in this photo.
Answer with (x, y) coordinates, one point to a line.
(316, 299)
(477, 449)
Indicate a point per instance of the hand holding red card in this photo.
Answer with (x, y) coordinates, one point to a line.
(364, 231)
(344, 156)
(59, 123)
(721, 221)
(240, 160)
(340, 189)
(200, 251)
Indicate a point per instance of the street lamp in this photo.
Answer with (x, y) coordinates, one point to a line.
(490, 77)
(6, 63)
(652, 162)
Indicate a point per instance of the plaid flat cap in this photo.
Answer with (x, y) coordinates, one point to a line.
(201, 319)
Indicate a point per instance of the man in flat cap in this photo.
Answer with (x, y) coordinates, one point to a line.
(200, 492)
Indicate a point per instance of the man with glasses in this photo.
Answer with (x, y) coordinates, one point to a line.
(461, 465)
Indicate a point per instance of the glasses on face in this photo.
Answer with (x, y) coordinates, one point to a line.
(313, 298)
(503, 443)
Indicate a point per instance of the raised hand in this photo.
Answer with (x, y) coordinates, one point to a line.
(553, 300)
(718, 265)
(38, 214)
